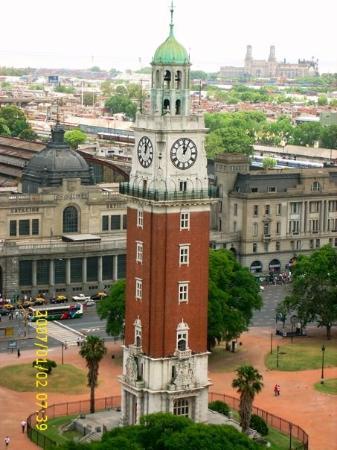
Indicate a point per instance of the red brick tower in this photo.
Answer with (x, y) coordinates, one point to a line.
(165, 354)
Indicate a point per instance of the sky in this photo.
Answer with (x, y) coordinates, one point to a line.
(125, 33)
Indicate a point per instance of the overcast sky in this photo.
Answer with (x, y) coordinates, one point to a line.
(125, 33)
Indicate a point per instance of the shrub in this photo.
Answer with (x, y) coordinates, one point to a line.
(45, 366)
(220, 407)
(259, 425)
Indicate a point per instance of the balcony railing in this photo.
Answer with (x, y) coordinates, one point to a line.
(163, 195)
(183, 354)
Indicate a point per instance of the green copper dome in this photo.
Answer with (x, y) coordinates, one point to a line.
(171, 52)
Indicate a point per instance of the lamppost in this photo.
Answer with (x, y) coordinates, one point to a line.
(277, 352)
(322, 373)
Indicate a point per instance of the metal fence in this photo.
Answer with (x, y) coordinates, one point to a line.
(284, 426)
(66, 409)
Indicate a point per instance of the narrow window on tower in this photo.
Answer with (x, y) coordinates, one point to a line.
(139, 289)
(183, 292)
(138, 332)
(182, 336)
(184, 254)
(140, 218)
(182, 186)
(139, 251)
(184, 220)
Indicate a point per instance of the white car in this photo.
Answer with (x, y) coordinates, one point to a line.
(90, 302)
(81, 298)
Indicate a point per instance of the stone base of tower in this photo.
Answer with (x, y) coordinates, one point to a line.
(174, 385)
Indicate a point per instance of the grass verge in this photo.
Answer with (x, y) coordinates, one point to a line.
(328, 387)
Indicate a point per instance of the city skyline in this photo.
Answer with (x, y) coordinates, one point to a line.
(74, 36)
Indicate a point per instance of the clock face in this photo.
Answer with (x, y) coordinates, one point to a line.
(145, 152)
(183, 153)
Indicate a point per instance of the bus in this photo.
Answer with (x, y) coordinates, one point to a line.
(61, 312)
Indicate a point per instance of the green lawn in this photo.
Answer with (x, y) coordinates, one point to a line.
(53, 431)
(328, 387)
(66, 379)
(303, 356)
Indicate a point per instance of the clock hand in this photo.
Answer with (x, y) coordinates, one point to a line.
(145, 149)
(184, 148)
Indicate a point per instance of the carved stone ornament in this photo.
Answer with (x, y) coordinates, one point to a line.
(185, 378)
(131, 370)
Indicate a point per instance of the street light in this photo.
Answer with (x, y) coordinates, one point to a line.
(322, 373)
(277, 352)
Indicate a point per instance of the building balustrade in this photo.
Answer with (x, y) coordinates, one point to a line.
(183, 354)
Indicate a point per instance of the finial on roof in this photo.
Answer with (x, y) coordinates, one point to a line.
(171, 24)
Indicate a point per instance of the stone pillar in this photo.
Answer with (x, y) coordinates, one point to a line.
(100, 269)
(68, 272)
(115, 268)
(34, 279)
(84, 270)
(51, 273)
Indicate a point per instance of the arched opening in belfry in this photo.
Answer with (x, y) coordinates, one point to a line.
(166, 106)
(178, 79)
(157, 79)
(167, 79)
(178, 107)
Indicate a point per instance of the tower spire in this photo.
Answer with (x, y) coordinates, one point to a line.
(171, 24)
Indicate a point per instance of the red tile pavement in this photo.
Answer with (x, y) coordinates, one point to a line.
(299, 402)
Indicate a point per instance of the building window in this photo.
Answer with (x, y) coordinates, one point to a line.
(298, 245)
(25, 272)
(315, 186)
(255, 210)
(318, 243)
(121, 266)
(183, 291)
(182, 186)
(332, 225)
(139, 252)
(92, 268)
(254, 189)
(184, 254)
(271, 189)
(181, 407)
(277, 246)
(314, 207)
(70, 220)
(140, 218)
(60, 271)
(125, 221)
(235, 209)
(108, 262)
(332, 205)
(105, 223)
(311, 244)
(279, 209)
(24, 227)
(254, 247)
(294, 226)
(267, 210)
(12, 228)
(266, 229)
(35, 227)
(314, 225)
(42, 272)
(76, 267)
(266, 246)
(184, 220)
(278, 227)
(182, 336)
(255, 229)
(138, 332)
(115, 222)
(295, 207)
(234, 227)
(139, 289)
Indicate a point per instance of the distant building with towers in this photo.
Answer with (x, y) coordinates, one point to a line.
(270, 68)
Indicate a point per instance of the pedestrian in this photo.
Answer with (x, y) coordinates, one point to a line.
(23, 425)
(7, 441)
(78, 342)
(278, 388)
(275, 390)
(19, 353)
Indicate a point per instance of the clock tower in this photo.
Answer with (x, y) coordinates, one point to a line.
(165, 358)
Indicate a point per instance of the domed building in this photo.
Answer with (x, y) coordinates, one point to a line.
(55, 163)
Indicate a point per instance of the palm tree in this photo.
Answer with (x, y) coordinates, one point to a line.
(248, 383)
(92, 350)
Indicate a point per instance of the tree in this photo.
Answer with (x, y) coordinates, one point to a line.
(64, 89)
(107, 88)
(4, 129)
(121, 104)
(233, 294)
(269, 163)
(322, 100)
(95, 69)
(89, 98)
(328, 136)
(13, 119)
(228, 140)
(112, 308)
(92, 350)
(314, 288)
(74, 138)
(248, 383)
(306, 133)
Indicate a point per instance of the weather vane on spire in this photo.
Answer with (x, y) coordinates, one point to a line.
(172, 24)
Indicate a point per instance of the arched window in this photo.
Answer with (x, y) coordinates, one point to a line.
(256, 267)
(182, 336)
(70, 220)
(315, 186)
(166, 105)
(138, 332)
(178, 79)
(167, 80)
(157, 79)
(274, 265)
(178, 107)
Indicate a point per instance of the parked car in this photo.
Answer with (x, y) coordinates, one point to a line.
(99, 296)
(81, 298)
(59, 299)
(90, 302)
(40, 301)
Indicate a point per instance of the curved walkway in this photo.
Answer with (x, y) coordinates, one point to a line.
(316, 413)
